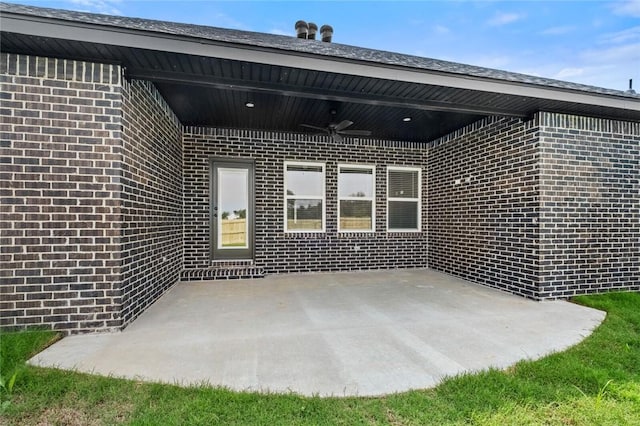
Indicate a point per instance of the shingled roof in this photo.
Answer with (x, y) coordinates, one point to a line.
(206, 75)
(292, 44)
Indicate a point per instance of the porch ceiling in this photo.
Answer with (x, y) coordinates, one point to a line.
(207, 75)
(205, 91)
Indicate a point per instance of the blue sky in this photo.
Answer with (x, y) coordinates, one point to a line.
(589, 42)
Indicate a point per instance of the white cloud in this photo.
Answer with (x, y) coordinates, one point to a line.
(223, 20)
(441, 30)
(501, 19)
(605, 75)
(610, 76)
(608, 66)
(278, 31)
(492, 61)
(529, 71)
(624, 36)
(611, 61)
(495, 61)
(627, 8)
(558, 30)
(568, 73)
(627, 53)
(99, 6)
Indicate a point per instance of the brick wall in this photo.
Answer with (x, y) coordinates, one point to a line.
(590, 205)
(483, 204)
(277, 251)
(151, 198)
(105, 200)
(91, 195)
(546, 208)
(61, 151)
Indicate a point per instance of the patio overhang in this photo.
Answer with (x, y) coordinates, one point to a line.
(207, 75)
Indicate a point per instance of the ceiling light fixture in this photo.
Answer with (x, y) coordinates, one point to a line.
(406, 119)
(249, 104)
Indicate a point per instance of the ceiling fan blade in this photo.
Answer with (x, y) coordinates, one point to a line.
(337, 138)
(343, 125)
(356, 132)
(309, 126)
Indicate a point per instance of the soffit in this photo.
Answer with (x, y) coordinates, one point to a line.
(209, 85)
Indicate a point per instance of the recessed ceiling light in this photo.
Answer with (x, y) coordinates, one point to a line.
(406, 119)
(249, 104)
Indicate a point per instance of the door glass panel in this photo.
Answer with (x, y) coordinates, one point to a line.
(233, 206)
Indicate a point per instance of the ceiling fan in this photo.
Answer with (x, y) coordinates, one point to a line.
(337, 130)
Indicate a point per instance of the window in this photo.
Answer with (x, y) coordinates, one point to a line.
(304, 190)
(356, 198)
(403, 199)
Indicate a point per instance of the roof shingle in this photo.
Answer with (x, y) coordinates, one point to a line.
(300, 46)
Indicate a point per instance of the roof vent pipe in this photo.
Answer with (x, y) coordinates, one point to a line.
(301, 29)
(327, 32)
(313, 29)
(631, 91)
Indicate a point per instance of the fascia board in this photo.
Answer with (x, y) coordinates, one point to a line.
(123, 37)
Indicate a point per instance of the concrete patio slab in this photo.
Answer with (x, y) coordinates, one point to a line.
(359, 333)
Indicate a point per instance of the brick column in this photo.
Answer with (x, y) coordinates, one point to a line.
(61, 154)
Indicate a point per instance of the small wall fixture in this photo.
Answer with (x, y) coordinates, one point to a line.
(406, 119)
(249, 104)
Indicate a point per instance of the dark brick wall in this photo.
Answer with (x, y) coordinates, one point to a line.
(105, 200)
(91, 187)
(590, 205)
(277, 251)
(61, 151)
(547, 208)
(483, 204)
(151, 198)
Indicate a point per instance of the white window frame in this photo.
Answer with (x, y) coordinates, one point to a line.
(419, 199)
(372, 198)
(323, 197)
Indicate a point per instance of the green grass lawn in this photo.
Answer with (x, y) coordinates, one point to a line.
(594, 383)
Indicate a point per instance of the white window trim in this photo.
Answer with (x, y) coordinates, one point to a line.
(372, 198)
(419, 199)
(306, 197)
